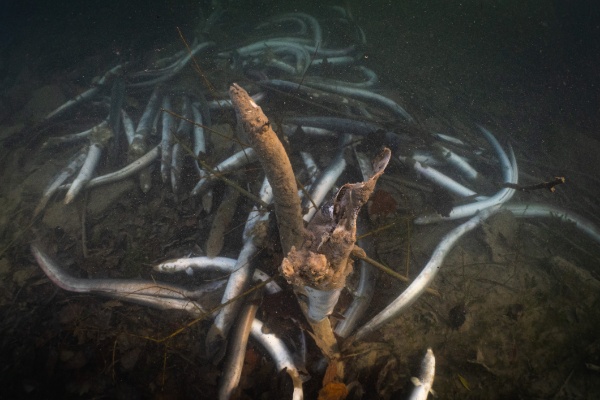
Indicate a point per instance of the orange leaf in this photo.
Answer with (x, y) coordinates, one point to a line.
(333, 391)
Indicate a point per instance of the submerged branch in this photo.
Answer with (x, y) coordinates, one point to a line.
(276, 164)
(323, 262)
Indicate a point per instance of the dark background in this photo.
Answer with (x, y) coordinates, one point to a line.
(550, 44)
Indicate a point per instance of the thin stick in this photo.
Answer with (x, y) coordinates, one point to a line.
(113, 359)
(83, 230)
(374, 231)
(305, 192)
(207, 314)
(208, 128)
(207, 83)
(408, 232)
(164, 369)
(360, 254)
(220, 176)
(550, 185)
(311, 60)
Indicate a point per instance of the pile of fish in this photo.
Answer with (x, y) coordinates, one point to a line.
(322, 93)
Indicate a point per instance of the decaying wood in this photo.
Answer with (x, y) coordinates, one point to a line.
(323, 262)
(276, 164)
(317, 258)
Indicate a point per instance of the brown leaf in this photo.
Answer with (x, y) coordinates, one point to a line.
(330, 373)
(333, 391)
(382, 203)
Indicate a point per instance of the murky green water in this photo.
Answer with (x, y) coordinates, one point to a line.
(528, 288)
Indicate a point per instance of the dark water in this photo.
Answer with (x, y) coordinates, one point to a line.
(526, 70)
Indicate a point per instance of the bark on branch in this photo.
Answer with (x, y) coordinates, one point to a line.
(276, 165)
(323, 262)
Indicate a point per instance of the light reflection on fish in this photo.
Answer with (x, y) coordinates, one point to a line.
(425, 380)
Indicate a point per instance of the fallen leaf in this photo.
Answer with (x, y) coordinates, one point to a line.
(333, 391)
(463, 381)
(382, 203)
(330, 373)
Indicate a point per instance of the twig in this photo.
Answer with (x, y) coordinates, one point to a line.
(83, 230)
(357, 252)
(114, 351)
(308, 66)
(211, 312)
(408, 232)
(564, 385)
(220, 176)
(207, 83)
(550, 185)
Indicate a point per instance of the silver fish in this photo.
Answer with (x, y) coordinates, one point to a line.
(425, 380)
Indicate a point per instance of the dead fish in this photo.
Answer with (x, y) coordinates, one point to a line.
(425, 380)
